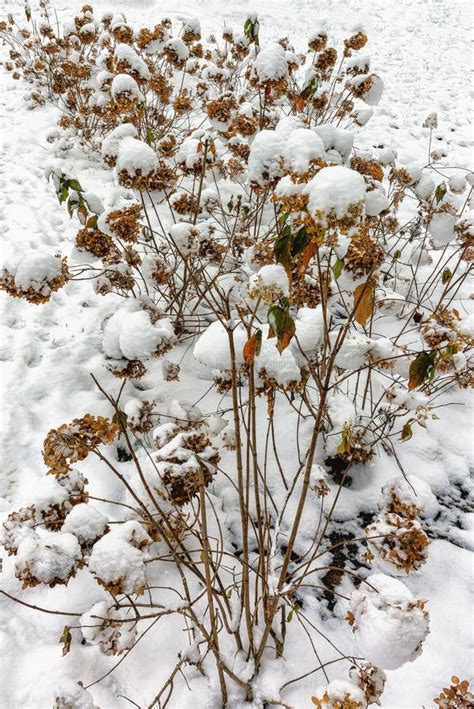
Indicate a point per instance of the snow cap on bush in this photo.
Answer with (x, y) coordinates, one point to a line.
(270, 64)
(117, 560)
(52, 560)
(334, 191)
(136, 158)
(389, 624)
(112, 630)
(408, 496)
(33, 276)
(270, 283)
(131, 334)
(85, 522)
(72, 695)
(339, 694)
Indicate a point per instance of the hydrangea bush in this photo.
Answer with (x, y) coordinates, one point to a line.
(307, 280)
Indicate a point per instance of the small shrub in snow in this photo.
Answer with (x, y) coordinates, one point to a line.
(408, 496)
(370, 679)
(186, 463)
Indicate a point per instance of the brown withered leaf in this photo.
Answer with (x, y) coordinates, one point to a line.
(306, 256)
(286, 336)
(270, 402)
(364, 301)
(299, 103)
(252, 347)
(66, 639)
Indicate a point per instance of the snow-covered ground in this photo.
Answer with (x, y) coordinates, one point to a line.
(423, 51)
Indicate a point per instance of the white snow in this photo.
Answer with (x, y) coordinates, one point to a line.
(85, 522)
(389, 627)
(212, 347)
(125, 84)
(127, 55)
(133, 335)
(333, 190)
(50, 560)
(117, 563)
(441, 227)
(136, 157)
(270, 64)
(266, 152)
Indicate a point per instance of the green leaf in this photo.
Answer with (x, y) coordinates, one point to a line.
(310, 89)
(289, 617)
(440, 192)
(282, 248)
(299, 242)
(451, 349)
(251, 28)
(338, 268)
(281, 325)
(72, 204)
(423, 368)
(74, 185)
(397, 255)
(446, 276)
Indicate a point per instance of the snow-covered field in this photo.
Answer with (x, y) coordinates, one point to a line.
(423, 51)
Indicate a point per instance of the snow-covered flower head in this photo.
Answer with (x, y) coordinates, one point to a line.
(389, 624)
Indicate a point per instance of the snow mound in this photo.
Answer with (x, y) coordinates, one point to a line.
(303, 146)
(126, 56)
(212, 348)
(409, 496)
(123, 84)
(112, 630)
(340, 693)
